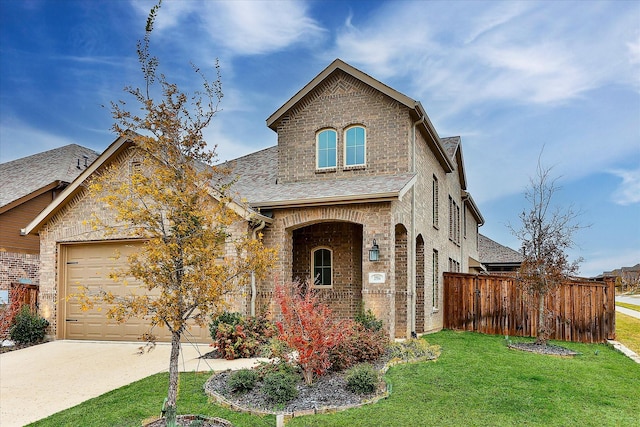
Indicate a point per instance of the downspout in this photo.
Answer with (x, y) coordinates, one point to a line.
(412, 269)
(252, 307)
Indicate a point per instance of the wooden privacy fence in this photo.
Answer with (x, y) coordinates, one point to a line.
(582, 311)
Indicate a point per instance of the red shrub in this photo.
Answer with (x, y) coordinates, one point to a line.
(307, 328)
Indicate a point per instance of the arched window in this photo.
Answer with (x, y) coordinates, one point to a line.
(355, 146)
(326, 141)
(321, 259)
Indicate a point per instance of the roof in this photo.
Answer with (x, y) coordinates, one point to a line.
(423, 122)
(118, 146)
(29, 176)
(492, 252)
(256, 182)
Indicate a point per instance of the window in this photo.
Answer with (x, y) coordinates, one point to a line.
(435, 202)
(435, 280)
(326, 149)
(354, 146)
(454, 221)
(321, 267)
(454, 266)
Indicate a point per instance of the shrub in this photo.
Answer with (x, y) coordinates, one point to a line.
(28, 327)
(308, 328)
(280, 387)
(243, 380)
(369, 320)
(8, 312)
(362, 379)
(360, 344)
(226, 317)
(241, 337)
(414, 349)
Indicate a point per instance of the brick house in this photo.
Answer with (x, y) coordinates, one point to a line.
(29, 184)
(361, 198)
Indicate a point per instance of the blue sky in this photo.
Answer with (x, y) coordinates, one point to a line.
(509, 77)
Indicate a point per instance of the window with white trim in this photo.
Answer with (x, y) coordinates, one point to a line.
(326, 151)
(435, 202)
(322, 266)
(435, 280)
(355, 146)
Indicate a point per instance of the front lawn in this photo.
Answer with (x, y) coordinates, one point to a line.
(476, 381)
(628, 331)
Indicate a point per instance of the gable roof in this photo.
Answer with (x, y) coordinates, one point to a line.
(256, 182)
(28, 177)
(118, 146)
(453, 147)
(419, 114)
(492, 252)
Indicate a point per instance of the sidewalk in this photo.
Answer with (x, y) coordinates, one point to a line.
(39, 381)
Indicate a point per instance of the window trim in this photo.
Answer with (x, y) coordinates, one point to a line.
(313, 267)
(344, 149)
(326, 168)
(435, 202)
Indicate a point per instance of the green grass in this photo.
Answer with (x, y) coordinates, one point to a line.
(628, 331)
(476, 381)
(629, 306)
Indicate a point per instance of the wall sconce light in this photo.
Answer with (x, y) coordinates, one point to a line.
(374, 252)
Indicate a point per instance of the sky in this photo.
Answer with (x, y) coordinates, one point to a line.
(518, 81)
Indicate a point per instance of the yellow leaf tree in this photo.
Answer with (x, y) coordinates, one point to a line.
(196, 247)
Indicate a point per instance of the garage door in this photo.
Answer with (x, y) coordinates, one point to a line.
(90, 265)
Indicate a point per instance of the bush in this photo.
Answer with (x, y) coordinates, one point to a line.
(280, 387)
(414, 349)
(241, 337)
(369, 320)
(242, 380)
(308, 328)
(28, 327)
(226, 317)
(362, 379)
(360, 344)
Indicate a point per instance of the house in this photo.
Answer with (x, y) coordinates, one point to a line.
(496, 257)
(28, 185)
(361, 197)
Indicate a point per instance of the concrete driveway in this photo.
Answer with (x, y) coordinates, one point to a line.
(39, 381)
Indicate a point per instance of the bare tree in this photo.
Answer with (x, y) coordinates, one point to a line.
(546, 233)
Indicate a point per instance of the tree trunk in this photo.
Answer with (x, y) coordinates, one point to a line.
(173, 380)
(541, 335)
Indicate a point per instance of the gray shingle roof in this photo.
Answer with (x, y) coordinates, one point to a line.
(492, 252)
(451, 144)
(21, 177)
(256, 176)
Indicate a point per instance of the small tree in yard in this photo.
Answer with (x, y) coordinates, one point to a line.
(545, 233)
(169, 201)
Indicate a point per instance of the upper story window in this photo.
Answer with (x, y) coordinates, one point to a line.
(355, 146)
(435, 202)
(326, 152)
(322, 267)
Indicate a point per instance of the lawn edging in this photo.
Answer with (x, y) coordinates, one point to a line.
(624, 350)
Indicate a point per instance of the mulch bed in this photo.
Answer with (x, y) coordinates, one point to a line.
(551, 350)
(187, 420)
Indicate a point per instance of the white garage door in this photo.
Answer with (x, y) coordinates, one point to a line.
(90, 265)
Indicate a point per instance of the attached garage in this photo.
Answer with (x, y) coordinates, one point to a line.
(89, 264)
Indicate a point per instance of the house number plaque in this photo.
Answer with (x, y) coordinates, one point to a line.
(377, 277)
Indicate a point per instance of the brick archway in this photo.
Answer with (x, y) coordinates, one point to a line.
(401, 280)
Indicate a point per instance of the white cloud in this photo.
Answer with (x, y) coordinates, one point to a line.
(27, 140)
(242, 27)
(598, 263)
(628, 192)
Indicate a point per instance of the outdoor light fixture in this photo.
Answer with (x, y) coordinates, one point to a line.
(374, 252)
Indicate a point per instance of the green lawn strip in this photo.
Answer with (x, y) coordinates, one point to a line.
(628, 331)
(479, 381)
(129, 405)
(629, 306)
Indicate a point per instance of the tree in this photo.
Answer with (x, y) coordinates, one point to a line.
(546, 233)
(175, 199)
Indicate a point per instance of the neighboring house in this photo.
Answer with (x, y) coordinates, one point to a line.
(27, 186)
(496, 257)
(361, 198)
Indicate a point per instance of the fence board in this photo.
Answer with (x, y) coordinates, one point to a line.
(583, 311)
